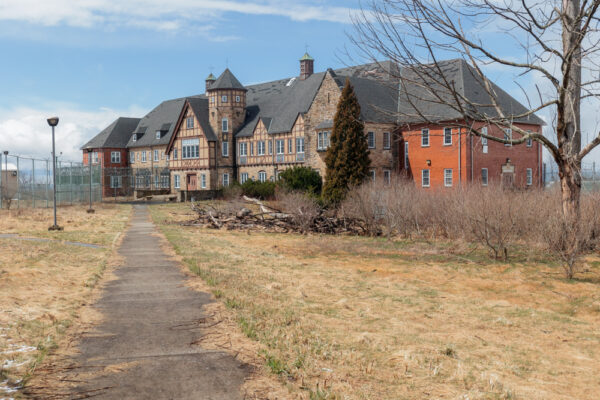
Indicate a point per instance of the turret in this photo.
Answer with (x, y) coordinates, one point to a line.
(307, 66)
(210, 80)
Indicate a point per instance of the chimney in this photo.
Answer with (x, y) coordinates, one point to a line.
(307, 66)
(209, 81)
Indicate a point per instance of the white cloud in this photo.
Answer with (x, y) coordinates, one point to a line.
(159, 14)
(24, 131)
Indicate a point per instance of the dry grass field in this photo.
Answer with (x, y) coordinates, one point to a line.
(43, 284)
(370, 318)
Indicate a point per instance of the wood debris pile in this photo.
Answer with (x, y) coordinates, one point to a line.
(272, 220)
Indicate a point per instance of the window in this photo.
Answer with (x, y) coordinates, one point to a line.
(372, 175)
(448, 177)
(224, 99)
(225, 149)
(262, 176)
(529, 176)
(155, 155)
(425, 178)
(156, 181)
(290, 149)
(484, 176)
(190, 148)
(371, 139)
(386, 140)
(237, 99)
(225, 179)
(323, 140)
(115, 182)
(299, 145)
(95, 157)
(203, 181)
(243, 177)
(225, 125)
(484, 141)
(280, 147)
(243, 149)
(189, 122)
(270, 146)
(164, 181)
(508, 136)
(157, 135)
(529, 141)
(251, 148)
(405, 155)
(131, 158)
(212, 99)
(261, 148)
(115, 157)
(425, 138)
(177, 183)
(175, 154)
(143, 156)
(134, 138)
(447, 136)
(386, 176)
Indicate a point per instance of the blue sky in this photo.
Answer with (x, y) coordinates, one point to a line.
(91, 61)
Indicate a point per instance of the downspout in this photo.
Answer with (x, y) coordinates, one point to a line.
(459, 156)
(471, 144)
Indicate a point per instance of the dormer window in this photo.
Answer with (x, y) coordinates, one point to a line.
(134, 139)
(224, 99)
(225, 125)
(157, 135)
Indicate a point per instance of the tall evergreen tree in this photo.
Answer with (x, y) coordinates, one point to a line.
(347, 159)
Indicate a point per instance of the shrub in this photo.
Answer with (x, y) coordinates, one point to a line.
(261, 190)
(303, 207)
(301, 179)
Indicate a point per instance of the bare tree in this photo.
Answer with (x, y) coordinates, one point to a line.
(554, 41)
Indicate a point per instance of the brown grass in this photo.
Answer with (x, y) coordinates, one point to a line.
(43, 285)
(365, 318)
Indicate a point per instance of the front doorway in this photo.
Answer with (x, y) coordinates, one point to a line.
(508, 175)
(191, 182)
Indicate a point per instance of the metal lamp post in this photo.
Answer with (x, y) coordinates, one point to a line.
(89, 151)
(5, 178)
(53, 121)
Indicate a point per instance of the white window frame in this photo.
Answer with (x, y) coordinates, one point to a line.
(448, 177)
(115, 182)
(405, 155)
(373, 175)
(423, 173)
(262, 176)
(484, 182)
(131, 158)
(175, 153)
(238, 99)
(529, 140)
(95, 158)
(260, 148)
(156, 156)
(115, 157)
(425, 140)
(225, 179)
(251, 148)
(387, 140)
(158, 135)
(225, 124)
(143, 156)
(243, 149)
(189, 122)
(243, 177)
(508, 136)
(203, 181)
(280, 146)
(224, 98)
(225, 149)
(447, 134)
(299, 145)
(290, 146)
(270, 146)
(387, 176)
(484, 141)
(529, 175)
(190, 149)
(371, 142)
(134, 138)
(176, 182)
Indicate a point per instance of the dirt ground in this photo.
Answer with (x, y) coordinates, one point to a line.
(368, 318)
(43, 284)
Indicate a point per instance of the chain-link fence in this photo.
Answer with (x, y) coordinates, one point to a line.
(27, 182)
(124, 182)
(590, 175)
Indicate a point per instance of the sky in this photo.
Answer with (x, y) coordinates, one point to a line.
(91, 61)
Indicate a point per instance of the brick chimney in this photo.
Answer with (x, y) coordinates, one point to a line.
(307, 66)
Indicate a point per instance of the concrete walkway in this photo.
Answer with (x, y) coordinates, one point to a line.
(150, 320)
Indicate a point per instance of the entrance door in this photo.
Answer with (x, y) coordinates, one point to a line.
(508, 179)
(191, 182)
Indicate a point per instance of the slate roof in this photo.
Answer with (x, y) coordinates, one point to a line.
(162, 118)
(466, 81)
(200, 108)
(227, 81)
(115, 135)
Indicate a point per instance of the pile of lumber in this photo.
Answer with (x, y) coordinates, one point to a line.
(269, 219)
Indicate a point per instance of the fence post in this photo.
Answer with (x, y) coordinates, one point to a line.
(33, 181)
(71, 181)
(1, 187)
(18, 185)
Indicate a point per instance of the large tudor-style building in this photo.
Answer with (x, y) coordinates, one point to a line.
(237, 132)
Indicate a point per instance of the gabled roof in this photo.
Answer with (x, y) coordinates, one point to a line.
(115, 135)
(199, 106)
(227, 81)
(163, 119)
(414, 98)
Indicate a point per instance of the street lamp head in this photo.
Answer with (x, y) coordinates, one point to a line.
(52, 121)
(5, 152)
(89, 149)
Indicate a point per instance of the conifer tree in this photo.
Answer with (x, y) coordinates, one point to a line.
(347, 159)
